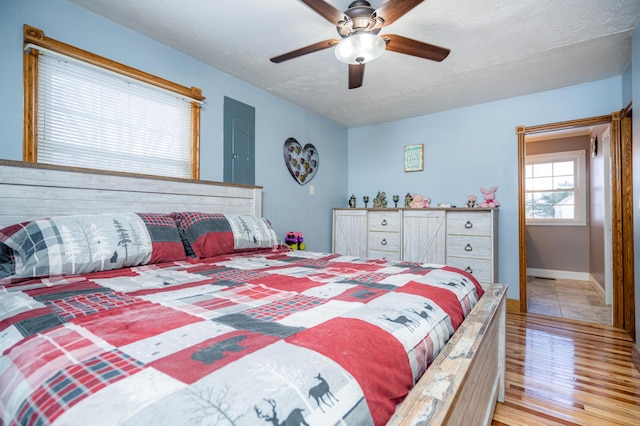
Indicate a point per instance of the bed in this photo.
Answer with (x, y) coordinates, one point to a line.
(162, 301)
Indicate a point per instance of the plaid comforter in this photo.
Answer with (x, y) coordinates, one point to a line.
(271, 337)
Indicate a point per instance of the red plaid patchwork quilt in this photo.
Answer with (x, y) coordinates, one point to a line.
(264, 337)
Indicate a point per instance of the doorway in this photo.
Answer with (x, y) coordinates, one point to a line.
(621, 211)
(566, 226)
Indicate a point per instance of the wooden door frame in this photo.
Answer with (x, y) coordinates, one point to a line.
(621, 212)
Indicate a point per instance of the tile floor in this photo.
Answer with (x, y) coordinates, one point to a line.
(572, 299)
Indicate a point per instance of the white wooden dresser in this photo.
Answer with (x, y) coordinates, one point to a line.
(472, 243)
(464, 238)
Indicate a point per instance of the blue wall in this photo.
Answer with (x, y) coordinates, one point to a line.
(469, 148)
(287, 204)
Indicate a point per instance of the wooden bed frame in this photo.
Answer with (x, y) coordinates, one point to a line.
(461, 386)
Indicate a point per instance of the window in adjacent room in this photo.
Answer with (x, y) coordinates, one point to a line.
(83, 110)
(555, 188)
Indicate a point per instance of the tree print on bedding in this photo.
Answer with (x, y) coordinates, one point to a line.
(251, 232)
(123, 237)
(100, 242)
(215, 406)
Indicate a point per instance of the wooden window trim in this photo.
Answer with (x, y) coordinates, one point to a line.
(36, 37)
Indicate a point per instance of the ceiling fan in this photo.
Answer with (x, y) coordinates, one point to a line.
(358, 27)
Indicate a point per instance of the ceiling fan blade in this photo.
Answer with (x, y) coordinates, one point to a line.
(325, 10)
(413, 47)
(394, 9)
(356, 75)
(305, 50)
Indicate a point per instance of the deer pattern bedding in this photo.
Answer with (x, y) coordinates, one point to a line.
(269, 337)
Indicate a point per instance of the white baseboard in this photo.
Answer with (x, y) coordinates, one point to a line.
(552, 273)
(597, 286)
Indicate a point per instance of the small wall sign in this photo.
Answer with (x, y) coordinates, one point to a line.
(414, 158)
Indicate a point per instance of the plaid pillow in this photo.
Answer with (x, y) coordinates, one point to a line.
(214, 234)
(166, 244)
(68, 245)
(206, 234)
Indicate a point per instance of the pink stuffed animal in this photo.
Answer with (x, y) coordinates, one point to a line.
(419, 202)
(489, 197)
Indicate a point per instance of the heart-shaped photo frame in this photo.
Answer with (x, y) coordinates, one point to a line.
(302, 162)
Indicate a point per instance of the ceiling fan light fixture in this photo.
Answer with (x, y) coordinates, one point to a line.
(360, 48)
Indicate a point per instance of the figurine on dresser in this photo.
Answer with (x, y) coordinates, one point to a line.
(420, 202)
(380, 201)
(489, 197)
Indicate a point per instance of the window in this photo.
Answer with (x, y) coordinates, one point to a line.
(555, 188)
(85, 111)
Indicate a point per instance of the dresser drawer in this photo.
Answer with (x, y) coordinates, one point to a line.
(469, 246)
(384, 221)
(385, 241)
(467, 223)
(386, 255)
(481, 269)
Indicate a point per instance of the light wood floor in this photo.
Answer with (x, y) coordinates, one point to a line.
(567, 372)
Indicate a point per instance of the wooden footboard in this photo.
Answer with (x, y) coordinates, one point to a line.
(464, 382)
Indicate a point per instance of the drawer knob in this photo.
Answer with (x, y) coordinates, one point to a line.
(468, 269)
(468, 247)
(384, 222)
(383, 242)
(468, 225)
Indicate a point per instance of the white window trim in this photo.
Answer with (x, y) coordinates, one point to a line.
(579, 184)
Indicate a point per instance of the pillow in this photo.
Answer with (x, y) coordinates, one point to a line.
(87, 243)
(166, 243)
(251, 233)
(214, 234)
(206, 234)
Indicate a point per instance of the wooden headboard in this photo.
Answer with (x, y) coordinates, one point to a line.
(32, 191)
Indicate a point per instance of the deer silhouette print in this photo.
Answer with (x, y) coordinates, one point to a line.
(428, 307)
(215, 352)
(294, 418)
(319, 391)
(363, 294)
(424, 314)
(452, 284)
(403, 320)
(466, 283)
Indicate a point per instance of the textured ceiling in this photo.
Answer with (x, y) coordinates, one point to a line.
(499, 49)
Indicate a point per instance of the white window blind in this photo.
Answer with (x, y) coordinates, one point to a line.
(88, 117)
